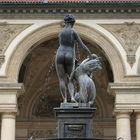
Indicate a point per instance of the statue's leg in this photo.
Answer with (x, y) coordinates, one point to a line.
(71, 87)
(71, 91)
(70, 62)
(63, 89)
(62, 81)
(69, 68)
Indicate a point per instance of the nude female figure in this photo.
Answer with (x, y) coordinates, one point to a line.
(65, 56)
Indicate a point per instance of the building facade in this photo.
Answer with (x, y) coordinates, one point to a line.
(28, 83)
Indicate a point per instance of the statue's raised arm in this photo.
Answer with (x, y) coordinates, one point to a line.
(80, 43)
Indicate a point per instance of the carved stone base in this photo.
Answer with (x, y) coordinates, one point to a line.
(75, 120)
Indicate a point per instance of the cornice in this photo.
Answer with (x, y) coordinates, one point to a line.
(81, 8)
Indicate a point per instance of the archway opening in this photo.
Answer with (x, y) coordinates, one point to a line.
(42, 92)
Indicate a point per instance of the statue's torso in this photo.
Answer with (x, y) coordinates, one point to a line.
(66, 37)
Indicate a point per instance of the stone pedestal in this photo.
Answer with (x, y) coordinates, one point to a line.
(75, 120)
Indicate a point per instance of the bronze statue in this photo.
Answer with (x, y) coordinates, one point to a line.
(65, 56)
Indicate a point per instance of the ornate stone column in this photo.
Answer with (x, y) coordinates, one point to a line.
(8, 126)
(8, 109)
(138, 125)
(123, 129)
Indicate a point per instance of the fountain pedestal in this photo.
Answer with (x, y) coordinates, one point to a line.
(75, 120)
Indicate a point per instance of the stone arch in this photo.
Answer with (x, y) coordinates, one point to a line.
(51, 31)
(110, 50)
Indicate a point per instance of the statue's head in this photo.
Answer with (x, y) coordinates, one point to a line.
(69, 18)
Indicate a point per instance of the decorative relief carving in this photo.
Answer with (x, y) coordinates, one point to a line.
(8, 32)
(75, 130)
(129, 36)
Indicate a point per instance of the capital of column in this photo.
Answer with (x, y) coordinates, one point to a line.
(122, 113)
(8, 115)
(11, 88)
(8, 96)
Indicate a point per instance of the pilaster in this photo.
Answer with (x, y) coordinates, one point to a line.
(8, 108)
(127, 99)
(123, 128)
(8, 126)
(137, 112)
